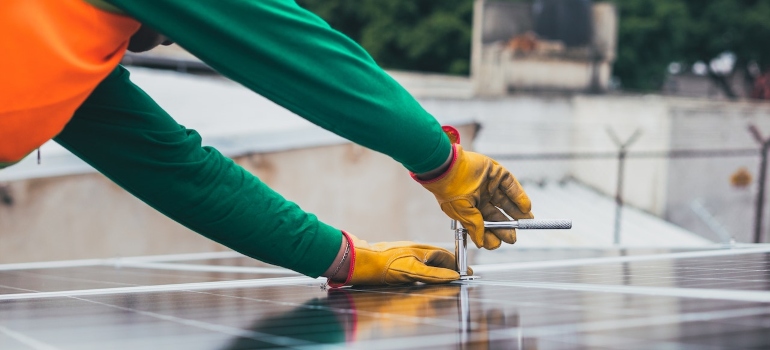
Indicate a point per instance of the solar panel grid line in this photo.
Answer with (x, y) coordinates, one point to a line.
(748, 273)
(117, 261)
(18, 289)
(598, 277)
(279, 281)
(721, 294)
(26, 340)
(155, 273)
(51, 280)
(100, 277)
(51, 264)
(207, 268)
(72, 279)
(618, 248)
(722, 285)
(619, 259)
(185, 257)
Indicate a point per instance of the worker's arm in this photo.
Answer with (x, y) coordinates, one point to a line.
(122, 133)
(292, 57)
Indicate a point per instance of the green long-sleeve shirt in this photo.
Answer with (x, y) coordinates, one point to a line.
(289, 55)
(284, 53)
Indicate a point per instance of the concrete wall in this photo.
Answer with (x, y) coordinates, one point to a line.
(595, 118)
(666, 187)
(88, 216)
(669, 187)
(698, 124)
(85, 216)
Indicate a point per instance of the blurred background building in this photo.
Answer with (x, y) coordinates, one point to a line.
(546, 45)
(645, 122)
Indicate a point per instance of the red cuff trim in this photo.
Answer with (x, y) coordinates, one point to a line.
(451, 165)
(352, 264)
(454, 135)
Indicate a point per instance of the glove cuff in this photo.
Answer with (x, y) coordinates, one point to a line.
(352, 264)
(449, 169)
(454, 139)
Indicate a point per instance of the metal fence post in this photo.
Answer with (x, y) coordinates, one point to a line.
(623, 148)
(759, 211)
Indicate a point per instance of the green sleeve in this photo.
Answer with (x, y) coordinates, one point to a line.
(292, 57)
(122, 133)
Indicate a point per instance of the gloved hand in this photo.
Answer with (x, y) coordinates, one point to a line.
(472, 190)
(398, 263)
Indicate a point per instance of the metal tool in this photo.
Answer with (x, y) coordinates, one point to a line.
(461, 237)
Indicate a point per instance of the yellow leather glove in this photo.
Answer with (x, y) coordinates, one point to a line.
(398, 263)
(472, 190)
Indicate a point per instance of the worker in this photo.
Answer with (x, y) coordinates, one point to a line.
(62, 81)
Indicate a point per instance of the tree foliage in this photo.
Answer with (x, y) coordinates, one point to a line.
(650, 36)
(423, 35)
(654, 33)
(435, 35)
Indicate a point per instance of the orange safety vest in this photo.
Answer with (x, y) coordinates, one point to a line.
(54, 54)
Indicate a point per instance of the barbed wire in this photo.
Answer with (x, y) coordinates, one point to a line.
(684, 153)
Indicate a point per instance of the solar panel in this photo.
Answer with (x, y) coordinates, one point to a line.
(566, 299)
